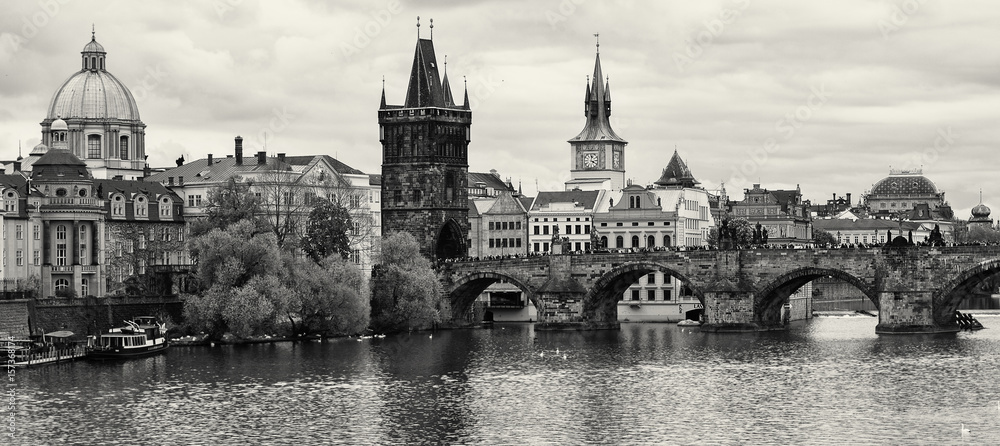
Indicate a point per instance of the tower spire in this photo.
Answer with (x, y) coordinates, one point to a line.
(382, 106)
(418, 27)
(432, 30)
(93, 32)
(465, 105)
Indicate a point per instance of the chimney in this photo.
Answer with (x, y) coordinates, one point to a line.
(209, 160)
(180, 180)
(17, 166)
(281, 157)
(170, 181)
(239, 150)
(834, 196)
(261, 157)
(849, 199)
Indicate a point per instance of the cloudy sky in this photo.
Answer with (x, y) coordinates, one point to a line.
(824, 95)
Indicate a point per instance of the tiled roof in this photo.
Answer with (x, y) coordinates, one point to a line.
(677, 173)
(587, 198)
(485, 177)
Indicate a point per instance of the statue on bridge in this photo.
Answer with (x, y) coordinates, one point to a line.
(936, 239)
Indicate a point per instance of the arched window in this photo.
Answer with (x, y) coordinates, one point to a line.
(165, 207)
(141, 206)
(118, 206)
(619, 242)
(635, 241)
(650, 242)
(62, 284)
(93, 146)
(666, 241)
(93, 62)
(123, 148)
(604, 242)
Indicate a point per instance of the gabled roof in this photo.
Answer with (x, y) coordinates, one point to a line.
(677, 173)
(223, 168)
(491, 180)
(506, 204)
(587, 199)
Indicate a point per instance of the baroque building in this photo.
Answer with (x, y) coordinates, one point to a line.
(782, 213)
(103, 127)
(425, 160)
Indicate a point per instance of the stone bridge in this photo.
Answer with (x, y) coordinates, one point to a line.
(916, 289)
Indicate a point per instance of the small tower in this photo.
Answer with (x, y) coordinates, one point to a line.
(425, 160)
(597, 153)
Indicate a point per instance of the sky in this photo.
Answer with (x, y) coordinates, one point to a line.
(825, 96)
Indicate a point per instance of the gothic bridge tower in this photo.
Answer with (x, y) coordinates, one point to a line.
(425, 159)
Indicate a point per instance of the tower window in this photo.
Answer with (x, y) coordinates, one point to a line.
(93, 146)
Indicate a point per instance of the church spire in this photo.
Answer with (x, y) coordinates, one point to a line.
(465, 104)
(597, 107)
(382, 106)
(449, 101)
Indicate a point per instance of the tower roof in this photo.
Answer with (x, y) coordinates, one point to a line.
(93, 92)
(61, 165)
(677, 173)
(597, 110)
(424, 89)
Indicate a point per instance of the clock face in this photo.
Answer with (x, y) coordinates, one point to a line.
(617, 160)
(590, 160)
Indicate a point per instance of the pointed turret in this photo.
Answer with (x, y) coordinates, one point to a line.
(465, 104)
(382, 106)
(597, 110)
(677, 173)
(449, 101)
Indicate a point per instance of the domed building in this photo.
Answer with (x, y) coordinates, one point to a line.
(101, 120)
(909, 195)
(981, 216)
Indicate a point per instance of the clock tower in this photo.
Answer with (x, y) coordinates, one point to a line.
(597, 154)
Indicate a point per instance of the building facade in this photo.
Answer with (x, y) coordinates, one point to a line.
(425, 160)
(782, 213)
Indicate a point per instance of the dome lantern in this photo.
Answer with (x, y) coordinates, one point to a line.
(93, 54)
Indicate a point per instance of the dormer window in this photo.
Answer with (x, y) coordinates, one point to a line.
(165, 207)
(60, 192)
(118, 206)
(141, 206)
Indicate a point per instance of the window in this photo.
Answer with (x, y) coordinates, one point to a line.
(650, 241)
(20, 258)
(141, 208)
(651, 279)
(84, 287)
(569, 229)
(83, 244)
(36, 232)
(545, 230)
(650, 294)
(93, 146)
(635, 241)
(545, 247)
(61, 232)
(35, 258)
(604, 242)
(492, 243)
(635, 294)
(194, 200)
(578, 229)
(619, 242)
(165, 207)
(62, 284)
(666, 241)
(18, 232)
(118, 206)
(123, 148)
(491, 225)
(535, 247)
(536, 232)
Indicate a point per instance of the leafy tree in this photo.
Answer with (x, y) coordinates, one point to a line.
(405, 289)
(821, 237)
(979, 234)
(328, 298)
(327, 231)
(226, 204)
(238, 270)
(742, 230)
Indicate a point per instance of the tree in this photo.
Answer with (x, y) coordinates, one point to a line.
(327, 232)
(824, 238)
(228, 203)
(979, 234)
(405, 289)
(239, 274)
(741, 230)
(330, 297)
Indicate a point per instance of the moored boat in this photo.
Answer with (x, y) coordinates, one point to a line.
(139, 337)
(50, 348)
(688, 323)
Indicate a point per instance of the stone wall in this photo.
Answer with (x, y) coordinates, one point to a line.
(15, 317)
(85, 316)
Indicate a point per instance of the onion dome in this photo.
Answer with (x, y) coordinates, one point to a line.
(93, 92)
(59, 165)
(981, 211)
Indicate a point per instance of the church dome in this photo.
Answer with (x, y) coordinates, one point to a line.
(905, 184)
(981, 211)
(39, 149)
(93, 92)
(59, 124)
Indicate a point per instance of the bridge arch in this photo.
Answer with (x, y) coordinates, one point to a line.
(601, 302)
(953, 292)
(468, 288)
(770, 299)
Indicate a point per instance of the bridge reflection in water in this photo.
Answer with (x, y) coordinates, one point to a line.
(915, 289)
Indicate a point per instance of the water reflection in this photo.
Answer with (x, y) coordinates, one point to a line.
(827, 381)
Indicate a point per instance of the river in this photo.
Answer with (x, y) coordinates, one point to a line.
(825, 381)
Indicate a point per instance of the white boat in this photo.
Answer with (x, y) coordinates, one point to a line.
(688, 323)
(139, 337)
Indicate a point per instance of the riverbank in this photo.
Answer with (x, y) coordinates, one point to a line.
(202, 340)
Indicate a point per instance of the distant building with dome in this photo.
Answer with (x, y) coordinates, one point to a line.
(906, 194)
(981, 216)
(101, 119)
